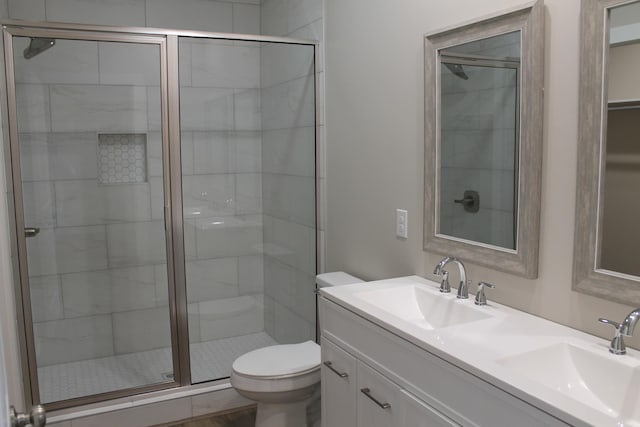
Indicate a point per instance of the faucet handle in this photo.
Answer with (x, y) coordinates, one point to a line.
(617, 343)
(481, 298)
(610, 322)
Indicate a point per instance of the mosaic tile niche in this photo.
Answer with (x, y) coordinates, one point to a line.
(122, 158)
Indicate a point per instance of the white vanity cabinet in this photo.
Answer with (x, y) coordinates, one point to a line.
(372, 377)
(354, 394)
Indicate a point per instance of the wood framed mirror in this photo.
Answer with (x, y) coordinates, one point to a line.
(483, 140)
(607, 235)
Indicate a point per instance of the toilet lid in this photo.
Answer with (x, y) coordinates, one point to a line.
(279, 360)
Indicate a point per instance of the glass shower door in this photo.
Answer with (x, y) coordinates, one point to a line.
(88, 170)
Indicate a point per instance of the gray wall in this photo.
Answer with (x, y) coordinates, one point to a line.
(375, 149)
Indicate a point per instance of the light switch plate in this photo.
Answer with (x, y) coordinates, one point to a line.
(401, 223)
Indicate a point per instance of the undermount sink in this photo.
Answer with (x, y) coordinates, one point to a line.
(608, 383)
(423, 308)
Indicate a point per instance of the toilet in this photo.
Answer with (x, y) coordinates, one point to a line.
(285, 378)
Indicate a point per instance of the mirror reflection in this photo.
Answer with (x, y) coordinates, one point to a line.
(479, 131)
(620, 234)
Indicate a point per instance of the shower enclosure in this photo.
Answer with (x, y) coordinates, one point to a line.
(163, 184)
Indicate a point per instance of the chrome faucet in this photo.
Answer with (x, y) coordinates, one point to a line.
(623, 329)
(463, 288)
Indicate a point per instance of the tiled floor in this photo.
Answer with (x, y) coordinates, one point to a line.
(209, 360)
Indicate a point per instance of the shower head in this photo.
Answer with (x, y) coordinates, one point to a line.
(37, 45)
(457, 70)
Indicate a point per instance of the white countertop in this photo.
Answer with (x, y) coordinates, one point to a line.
(479, 347)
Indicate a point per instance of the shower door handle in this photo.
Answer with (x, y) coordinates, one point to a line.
(36, 418)
(31, 231)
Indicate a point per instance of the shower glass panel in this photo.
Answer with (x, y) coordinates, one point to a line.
(90, 151)
(247, 119)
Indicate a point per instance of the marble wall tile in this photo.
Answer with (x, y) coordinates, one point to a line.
(248, 193)
(213, 153)
(229, 236)
(280, 281)
(208, 195)
(184, 61)
(85, 202)
(247, 109)
(161, 275)
(126, 13)
(129, 64)
(154, 110)
(273, 17)
(289, 151)
(246, 18)
(289, 327)
(282, 62)
(203, 15)
(98, 108)
(140, 416)
(251, 274)
(293, 289)
(231, 317)
(156, 185)
(68, 62)
(483, 149)
(290, 198)
(191, 239)
(269, 316)
(222, 65)
(290, 243)
(289, 105)
(302, 12)
(30, 10)
(248, 151)
(68, 340)
(194, 322)
(46, 298)
(67, 250)
(33, 108)
(313, 31)
(57, 156)
(141, 330)
(154, 153)
(139, 243)
(490, 226)
(39, 204)
(204, 109)
(212, 279)
(34, 157)
(108, 291)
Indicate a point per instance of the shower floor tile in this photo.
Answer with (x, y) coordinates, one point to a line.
(209, 360)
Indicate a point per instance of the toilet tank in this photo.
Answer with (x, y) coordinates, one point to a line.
(336, 278)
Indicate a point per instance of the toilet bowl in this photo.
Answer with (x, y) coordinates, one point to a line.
(285, 378)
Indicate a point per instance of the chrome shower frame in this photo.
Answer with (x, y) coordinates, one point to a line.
(167, 41)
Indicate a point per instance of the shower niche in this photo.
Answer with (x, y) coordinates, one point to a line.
(172, 182)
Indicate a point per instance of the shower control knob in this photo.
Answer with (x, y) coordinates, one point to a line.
(36, 418)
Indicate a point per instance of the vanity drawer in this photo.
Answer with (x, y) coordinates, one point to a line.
(452, 391)
(338, 386)
(378, 399)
